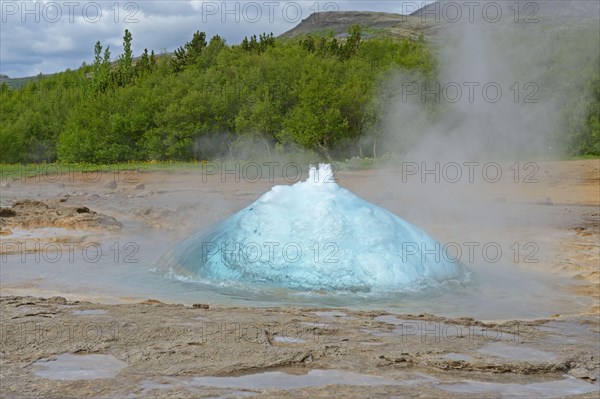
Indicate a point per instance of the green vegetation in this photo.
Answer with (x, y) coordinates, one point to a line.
(210, 100)
(207, 101)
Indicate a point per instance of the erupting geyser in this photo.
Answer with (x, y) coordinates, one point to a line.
(313, 235)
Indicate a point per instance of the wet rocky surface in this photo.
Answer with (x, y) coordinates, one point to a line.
(59, 348)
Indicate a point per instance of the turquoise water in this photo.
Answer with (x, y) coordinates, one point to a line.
(500, 292)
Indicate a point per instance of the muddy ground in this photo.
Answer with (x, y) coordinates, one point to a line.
(141, 347)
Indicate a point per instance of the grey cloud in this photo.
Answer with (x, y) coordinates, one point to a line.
(46, 40)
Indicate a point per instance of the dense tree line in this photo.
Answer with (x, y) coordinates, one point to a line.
(315, 93)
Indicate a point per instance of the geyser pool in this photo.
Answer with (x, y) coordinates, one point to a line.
(313, 236)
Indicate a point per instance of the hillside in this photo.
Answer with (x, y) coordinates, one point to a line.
(437, 17)
(374, 24)
(584, 9)
(15, 83)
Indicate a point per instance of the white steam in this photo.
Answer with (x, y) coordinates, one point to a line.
(503, 82)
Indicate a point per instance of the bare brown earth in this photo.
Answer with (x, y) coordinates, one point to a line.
(34, 214)
(154, 349)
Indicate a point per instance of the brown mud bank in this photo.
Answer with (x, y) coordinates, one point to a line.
(28, 214)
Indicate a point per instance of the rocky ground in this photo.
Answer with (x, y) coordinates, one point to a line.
(152, 349)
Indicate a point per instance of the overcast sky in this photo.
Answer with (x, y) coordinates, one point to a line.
(49, 36)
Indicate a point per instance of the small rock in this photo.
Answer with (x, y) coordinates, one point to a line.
(200, 306)
(28, 203)
(151, 302)
(7, 212)
(582, 373)
(140, 186)
(58, 299)
(64, 198)
(111, 184)
(83, 209)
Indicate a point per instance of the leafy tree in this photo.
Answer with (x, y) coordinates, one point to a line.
(317, 121)
(125, 62)
(101, 78)
(152, 60)
(179, 61)
(352, 45)
(189, 53)
(195, 47)
(258, 45)
(146, 63)
(97, 55)
(210, 54)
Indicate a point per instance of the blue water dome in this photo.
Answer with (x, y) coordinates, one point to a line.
(313, 236)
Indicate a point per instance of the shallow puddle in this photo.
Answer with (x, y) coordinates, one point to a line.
(549, 389)
(44, 232)
(281, 380)
(519, 353)
(333, 314)
(89, 312)
(68, 367)
(288, 340)
(457, 357)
